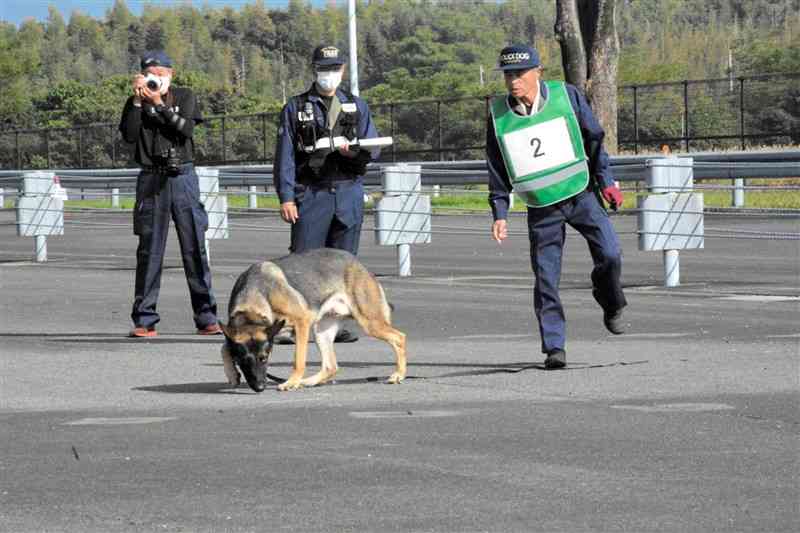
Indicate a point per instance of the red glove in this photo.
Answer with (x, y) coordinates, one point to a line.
(613, 196)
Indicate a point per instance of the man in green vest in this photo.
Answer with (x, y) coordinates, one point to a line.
(544, 143)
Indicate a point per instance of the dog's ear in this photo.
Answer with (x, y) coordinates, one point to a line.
(275, 328)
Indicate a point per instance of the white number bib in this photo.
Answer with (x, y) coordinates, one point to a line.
(540, 147)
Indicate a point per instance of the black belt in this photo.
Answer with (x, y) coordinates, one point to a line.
(323, 183)
(159, 169)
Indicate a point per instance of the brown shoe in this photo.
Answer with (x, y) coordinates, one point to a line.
(211, 329)
(142, 332)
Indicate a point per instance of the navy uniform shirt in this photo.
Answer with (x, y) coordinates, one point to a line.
(285, 169)
(592, 132)
(153, 132)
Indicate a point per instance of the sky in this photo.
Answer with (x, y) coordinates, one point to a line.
(15, 11)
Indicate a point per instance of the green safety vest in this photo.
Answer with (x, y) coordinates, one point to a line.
(543, 153)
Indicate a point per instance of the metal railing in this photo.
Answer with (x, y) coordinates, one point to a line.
(687, 115)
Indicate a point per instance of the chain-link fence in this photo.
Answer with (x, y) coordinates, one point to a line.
(720, 114)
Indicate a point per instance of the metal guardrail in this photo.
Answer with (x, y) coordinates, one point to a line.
(707, 165)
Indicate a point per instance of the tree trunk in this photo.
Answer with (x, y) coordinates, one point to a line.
(568, 34)
(603, 67)
(587, 33)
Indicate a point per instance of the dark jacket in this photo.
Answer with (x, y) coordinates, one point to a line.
(592, 132)
(154, 131)
(289, 161)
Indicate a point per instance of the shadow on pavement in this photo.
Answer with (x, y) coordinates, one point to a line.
(121, 338)
(479, 370)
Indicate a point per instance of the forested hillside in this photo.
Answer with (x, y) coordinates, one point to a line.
(55, 73)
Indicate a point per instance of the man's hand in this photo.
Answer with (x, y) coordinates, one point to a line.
(500, 230)
(137, 84)
(345, 151)
(154, 97)
(289, 212)
(613, 196)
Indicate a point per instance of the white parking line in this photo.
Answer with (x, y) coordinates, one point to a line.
(677, 407)
(493, 336)
(761, 298)
(119, 421)
(404, 414)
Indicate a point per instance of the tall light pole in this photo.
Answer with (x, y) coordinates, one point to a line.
(351, 18)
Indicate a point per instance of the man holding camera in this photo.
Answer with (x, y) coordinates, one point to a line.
(159, 119)
(320, 185)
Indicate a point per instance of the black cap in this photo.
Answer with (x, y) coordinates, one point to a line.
(518, 57)
(327, 55)
(155, 58)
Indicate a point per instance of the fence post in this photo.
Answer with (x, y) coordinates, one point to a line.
(264, 133)
(47, 147)
(670, 218)
(686, 115)
(737, 198)
(115, 198)
(635, 120)
(439, 128)
(224, 155)
(403, 214)
(113, 147)
(80, 152)
(216, 205)
(40, 210)
(391, 130)
(252, 199)
(741, 111)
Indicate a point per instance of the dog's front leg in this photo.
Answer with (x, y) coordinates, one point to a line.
(302, 332)
(234, 378)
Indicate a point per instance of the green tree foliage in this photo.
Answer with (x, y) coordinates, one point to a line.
(248, 60)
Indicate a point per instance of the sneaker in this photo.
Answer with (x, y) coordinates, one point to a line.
(140, 332)
(345, 336)
(555, 359)
(613, 322)
(211, 329)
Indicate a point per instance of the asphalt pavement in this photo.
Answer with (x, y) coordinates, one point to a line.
(688, 422)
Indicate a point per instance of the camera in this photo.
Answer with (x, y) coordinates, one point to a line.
(153, 82)
(172, 162)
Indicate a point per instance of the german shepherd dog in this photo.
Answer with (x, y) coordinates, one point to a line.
(307, 292)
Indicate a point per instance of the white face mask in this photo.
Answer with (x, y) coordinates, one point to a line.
(329, 80)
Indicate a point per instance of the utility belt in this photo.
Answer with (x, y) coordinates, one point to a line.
(161, 169)
(316, 182)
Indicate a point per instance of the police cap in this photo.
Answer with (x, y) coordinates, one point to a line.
(518, 57)
(327, 56)
(155, 58)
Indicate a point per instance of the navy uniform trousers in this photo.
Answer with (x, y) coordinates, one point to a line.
(330, 216)
(546, 231)
(159, 198)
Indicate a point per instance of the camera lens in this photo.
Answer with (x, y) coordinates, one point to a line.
(152, 85)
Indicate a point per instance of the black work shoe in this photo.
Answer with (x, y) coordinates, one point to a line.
(345, 336)
(555, 359)
(613, 322)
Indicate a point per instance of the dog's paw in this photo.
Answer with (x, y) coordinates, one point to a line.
(234, 378)
(395, 378)
(290, 384)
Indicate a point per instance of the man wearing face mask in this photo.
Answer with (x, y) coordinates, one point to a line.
(159, 120)
(321, 186)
